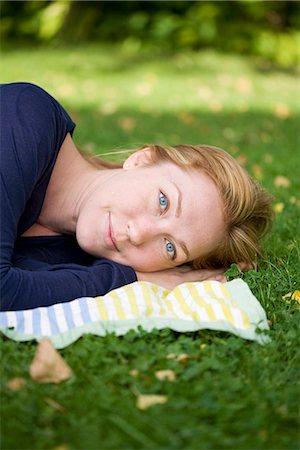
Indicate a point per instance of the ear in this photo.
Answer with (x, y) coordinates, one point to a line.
(138, 159)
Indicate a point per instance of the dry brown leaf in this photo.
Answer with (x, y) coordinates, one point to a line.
(186, 118)
(171, 356)
(281, 181)
(244, 85)
(127, 123)
(268, 158)
(183, 358)
(165, 375)
(215, 106)
(282, 111)
(48, 366)
(17, 383)
(54, 404)
(257, 171)
(242, 159)
(145, 401)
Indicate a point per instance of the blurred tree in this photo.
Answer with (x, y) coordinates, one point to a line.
(269, 29)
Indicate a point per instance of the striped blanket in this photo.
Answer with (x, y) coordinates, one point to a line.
(193, 306)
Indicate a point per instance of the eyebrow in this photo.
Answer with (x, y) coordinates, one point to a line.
(178, 212)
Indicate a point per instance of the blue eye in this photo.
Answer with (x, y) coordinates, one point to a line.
(163, 201)
(170, 249)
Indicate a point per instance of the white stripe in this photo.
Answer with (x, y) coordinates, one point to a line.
(238, 318)
(28, 323)
(45, 323)
(75, 307)
(93, 309)
(60, 317)
(11, 319)
(217, 309)
(109, 304)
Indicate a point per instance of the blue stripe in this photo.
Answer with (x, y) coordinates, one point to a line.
(36, 322)
(20, 321)
(52, 319)
(68, 315)
(4, 319)
(84, 309)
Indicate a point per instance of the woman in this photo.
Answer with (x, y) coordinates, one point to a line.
(71, 227)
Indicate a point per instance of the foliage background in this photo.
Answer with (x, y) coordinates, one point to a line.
(266, 29)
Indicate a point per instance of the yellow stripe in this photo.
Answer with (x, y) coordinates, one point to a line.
(132, 301)
(225, 292)
(246, 321)
(169, 305)
(118, 306)
(103, 313)
(185, 308)
(227, 313)
(147, 299)
(210, 312)
(196, 295)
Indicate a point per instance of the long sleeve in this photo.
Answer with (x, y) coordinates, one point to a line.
(33, 128)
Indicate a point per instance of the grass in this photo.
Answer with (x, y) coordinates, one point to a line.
(230, 393)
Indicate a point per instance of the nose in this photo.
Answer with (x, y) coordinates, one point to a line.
(144, 230)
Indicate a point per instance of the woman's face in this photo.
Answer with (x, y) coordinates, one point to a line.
(151, 217)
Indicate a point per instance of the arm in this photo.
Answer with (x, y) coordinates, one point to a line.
(33, 129)
(171, 278)
(44, 284)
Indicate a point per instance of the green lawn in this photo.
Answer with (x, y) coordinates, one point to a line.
(230, 393)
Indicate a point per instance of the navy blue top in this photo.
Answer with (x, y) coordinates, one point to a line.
(40, 271)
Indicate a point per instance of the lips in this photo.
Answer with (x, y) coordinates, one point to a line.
(111, 239)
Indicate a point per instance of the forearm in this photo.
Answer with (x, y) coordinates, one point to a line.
(24, 289)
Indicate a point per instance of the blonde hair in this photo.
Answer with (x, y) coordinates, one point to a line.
(247, 207)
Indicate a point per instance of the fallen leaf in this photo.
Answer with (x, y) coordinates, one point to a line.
(127, 123)
(165, 375)
(146, 401)
(186, 118)
(48, 366)
(144, 89)
(183, 358)
(244, 85)
(17, 383)
(278, 207)
(241, 159)
(282, 111)
(268, 158)
(293, 200)
(296, 296)
(257, 171)
(171, 356)
(54, 404)
(108, 108)
(215, 106)
(204, 92)
(281, 181)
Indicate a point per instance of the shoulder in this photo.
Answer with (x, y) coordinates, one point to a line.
(26, 104)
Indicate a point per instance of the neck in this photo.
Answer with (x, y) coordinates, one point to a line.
(73, 179)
